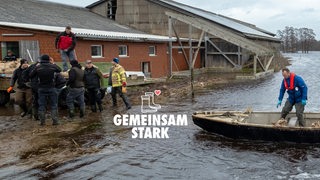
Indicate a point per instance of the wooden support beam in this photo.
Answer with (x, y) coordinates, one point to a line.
(225, 56)
(255, 65)
(269, 62)
(197, 51)
(170, 45)
(239, 56)
(261, 64)
(181, 46)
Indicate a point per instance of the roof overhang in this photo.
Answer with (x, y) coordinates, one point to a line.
(93, 34)
(223, 33)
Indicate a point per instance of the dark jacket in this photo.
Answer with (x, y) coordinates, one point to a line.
(26, 76)
(65, 41)
(18, 77)
(59, 81)
(298, 93)
(10, 58)
(93, 78)
(45, 72)
(76, 75)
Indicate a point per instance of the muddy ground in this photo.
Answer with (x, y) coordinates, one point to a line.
(24, 142)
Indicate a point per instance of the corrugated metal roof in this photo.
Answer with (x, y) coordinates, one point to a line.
(227, 22)
(55, 14)
(93, 34)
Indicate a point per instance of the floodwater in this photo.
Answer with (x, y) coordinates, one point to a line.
(191, 153)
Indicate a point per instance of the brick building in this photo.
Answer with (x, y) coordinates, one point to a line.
(29, 29)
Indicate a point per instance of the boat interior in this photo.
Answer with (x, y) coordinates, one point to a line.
(261, 118)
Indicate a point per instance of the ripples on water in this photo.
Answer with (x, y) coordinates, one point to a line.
(191, 153)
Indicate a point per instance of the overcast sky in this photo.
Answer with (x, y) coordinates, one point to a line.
(271, 15)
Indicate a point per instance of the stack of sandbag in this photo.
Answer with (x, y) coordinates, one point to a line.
(281, 122)
(9, 67)
(316, 124)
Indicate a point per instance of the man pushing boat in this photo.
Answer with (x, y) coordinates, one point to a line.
(297, 91)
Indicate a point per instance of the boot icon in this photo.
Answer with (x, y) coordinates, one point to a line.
(153, 105)
(146, 106)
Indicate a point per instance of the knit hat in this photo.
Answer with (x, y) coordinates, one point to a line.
(74, 62)
(45, 58)
(23, 61)
(116, 60)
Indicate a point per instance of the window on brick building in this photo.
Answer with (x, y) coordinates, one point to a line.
(96, 51)
(13, 46)
(152, 50)
(123, 50)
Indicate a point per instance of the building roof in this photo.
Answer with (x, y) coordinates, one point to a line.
(249, 30)
(95, 4)
(91, 34)
(55, 14)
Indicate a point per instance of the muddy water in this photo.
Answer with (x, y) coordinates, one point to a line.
(191, 153)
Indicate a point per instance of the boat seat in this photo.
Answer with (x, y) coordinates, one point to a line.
(292, 122)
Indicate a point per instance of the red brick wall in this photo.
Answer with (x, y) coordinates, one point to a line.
(138, 52)
(179, 62)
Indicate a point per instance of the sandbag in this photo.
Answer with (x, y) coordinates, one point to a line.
(9, 67)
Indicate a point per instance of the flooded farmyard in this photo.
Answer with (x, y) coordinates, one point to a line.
(96, 148)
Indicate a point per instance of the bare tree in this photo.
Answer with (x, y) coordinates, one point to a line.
(293, 39)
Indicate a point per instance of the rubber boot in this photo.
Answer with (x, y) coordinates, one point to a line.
(81, 112)
(35, 114)
(71, 113)
(54, 116)
(100, 107)
(42, 117)
(93, 108)
(24, 109)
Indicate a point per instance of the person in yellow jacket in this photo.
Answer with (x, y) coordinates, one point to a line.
(117, 79)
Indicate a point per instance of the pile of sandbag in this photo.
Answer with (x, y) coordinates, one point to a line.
(316, 124)
(9, 67)
(281, 122)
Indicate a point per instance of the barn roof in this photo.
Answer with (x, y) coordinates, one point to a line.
(248, 30)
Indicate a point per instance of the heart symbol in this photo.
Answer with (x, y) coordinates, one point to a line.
(157, 92)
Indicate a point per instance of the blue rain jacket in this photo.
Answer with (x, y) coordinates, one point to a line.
(299, 92)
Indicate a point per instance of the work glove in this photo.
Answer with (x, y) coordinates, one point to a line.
(9, 89)
(304, 102)
(279, 103)
(124, 84)
(109, 89)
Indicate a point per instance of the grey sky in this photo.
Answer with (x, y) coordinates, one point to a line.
(271, 15)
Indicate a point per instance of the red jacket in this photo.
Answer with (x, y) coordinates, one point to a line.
(65, 41)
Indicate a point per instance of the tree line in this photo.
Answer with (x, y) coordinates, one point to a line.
(298, 39)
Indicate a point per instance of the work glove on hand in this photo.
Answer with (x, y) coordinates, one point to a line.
(279, 103)
(9, 89)
(124, 84)
(304, 102)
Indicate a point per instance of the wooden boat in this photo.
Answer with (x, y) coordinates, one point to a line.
(259, 125)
